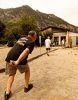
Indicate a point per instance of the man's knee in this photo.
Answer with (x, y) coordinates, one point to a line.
(27, 69)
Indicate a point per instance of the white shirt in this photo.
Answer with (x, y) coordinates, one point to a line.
(47, 43)
(62, 41)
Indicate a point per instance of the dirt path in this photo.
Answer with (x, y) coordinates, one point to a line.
(54, 77)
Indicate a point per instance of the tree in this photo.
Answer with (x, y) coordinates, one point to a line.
(28, 23)
(13, 27)
(16, 32)
(2, 27)
(49, 33)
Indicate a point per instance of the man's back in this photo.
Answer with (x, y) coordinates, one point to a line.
(21, 44)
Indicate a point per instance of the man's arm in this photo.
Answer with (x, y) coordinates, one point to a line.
(21, 57)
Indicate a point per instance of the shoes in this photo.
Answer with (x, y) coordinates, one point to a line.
(30, 86)
(7, 96)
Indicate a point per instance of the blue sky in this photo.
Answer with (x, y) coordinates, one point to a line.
(65, 9)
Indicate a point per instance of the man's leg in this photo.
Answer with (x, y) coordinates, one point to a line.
(7, 93)
(10, 71)
(27, 77)
(9, 83)
(47, 51)
(25, 69)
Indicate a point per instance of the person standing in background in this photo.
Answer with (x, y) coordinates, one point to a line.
(48, 45)
(63, 42)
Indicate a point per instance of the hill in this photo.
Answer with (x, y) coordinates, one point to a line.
(43, 20)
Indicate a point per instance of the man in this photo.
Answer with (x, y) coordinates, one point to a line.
(17, 59)
(63, 42)
(47, 44)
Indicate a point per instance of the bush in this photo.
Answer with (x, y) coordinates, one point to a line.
(10, 43)
(3, 40)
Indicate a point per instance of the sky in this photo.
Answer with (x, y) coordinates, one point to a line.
(65, 9)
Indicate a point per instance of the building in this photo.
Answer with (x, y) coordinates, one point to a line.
(58, 34)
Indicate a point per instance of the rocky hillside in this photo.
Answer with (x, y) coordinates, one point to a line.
(43, 20)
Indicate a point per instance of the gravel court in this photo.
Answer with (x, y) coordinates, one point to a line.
(54, 77)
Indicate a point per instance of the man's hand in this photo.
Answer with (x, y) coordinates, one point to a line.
(13, 63)
(21, 57)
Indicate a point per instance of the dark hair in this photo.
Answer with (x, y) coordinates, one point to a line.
(31, 33)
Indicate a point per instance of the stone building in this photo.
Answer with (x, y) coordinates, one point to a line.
(58, 34)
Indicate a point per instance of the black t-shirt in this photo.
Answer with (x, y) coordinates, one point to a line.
(21, 44)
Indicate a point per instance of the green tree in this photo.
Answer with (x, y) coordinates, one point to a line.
(16, 32)
(28, 23)
(13, 27)
(2, 28)
(49, 33)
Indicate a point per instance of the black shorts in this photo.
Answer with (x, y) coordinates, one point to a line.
(47, 48)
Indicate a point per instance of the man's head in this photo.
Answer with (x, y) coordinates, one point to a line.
(33, 35)
(48, 37)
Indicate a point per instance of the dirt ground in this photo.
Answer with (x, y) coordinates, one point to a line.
(54, 77)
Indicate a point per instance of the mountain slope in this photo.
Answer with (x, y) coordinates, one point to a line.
(42, 19)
